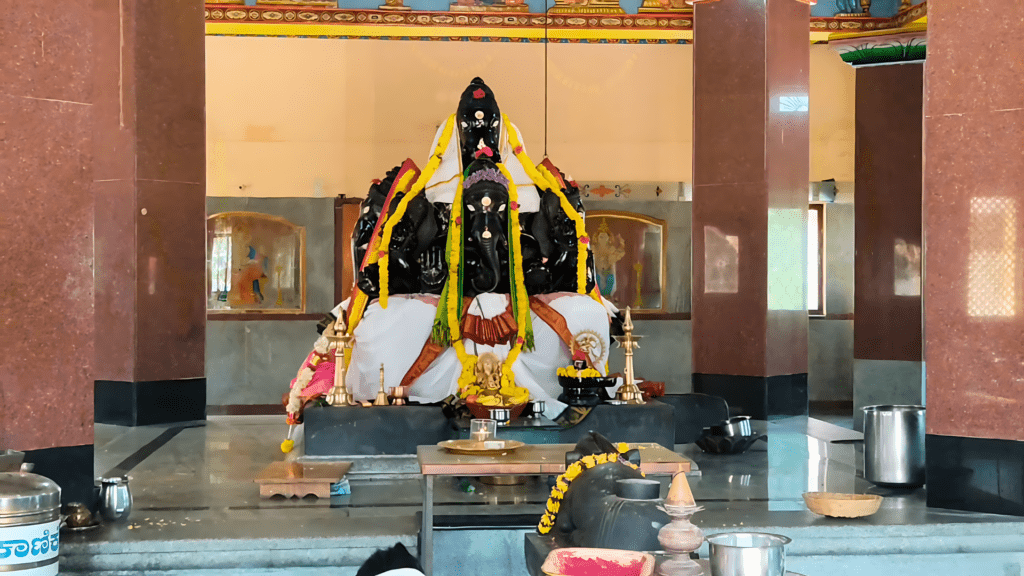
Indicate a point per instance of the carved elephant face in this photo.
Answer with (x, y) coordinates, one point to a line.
(485, 214)
(479, 121)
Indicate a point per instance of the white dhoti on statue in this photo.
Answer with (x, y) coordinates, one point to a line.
(396, 336)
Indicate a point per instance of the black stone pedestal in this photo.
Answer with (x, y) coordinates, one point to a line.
(975, 474)
(71, 467)
(371, 431)
(148, 403)
(694, 412)
(650, 422)
(760, 397)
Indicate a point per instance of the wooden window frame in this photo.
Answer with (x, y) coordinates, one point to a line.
(819, 207)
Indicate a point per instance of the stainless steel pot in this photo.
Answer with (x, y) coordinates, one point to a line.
(748, 554)
(501, 415)
(29, 524)
(735, 426)
(10, 460)
(894, 445)
(115, 499)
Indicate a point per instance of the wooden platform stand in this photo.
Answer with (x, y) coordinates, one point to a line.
(293, 479)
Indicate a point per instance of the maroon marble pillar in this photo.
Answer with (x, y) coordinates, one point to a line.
(750, 198)
(974, 255)
(149, 183)
(46, 235)
(887, 263)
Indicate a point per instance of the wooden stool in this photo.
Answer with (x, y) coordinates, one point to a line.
(293, 479)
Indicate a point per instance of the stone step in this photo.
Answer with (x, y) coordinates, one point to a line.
(258, 541)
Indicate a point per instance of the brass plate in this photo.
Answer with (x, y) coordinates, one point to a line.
(478, 448)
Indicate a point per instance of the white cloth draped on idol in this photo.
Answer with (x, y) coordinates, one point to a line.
(395, 337)
(442, 185)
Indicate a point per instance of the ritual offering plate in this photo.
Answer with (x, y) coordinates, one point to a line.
(597, 561)
(90, 526)
(713, 444)
(480, 448)
(842, 505)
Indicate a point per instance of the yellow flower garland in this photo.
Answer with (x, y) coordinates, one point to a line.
(571, 372)
(554, 503)
(543, 178)
(467, 378)
(421, 182)
(522, 299)
(374, 255)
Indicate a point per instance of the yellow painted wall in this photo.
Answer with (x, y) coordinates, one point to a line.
(312, 117)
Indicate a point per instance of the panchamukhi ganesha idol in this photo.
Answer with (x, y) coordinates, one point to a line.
(474, 274)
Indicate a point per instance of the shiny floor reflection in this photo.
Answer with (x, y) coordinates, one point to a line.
(200, 484)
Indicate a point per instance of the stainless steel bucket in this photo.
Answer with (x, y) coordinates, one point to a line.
(748, 554)
(29, 524)
(894, 445)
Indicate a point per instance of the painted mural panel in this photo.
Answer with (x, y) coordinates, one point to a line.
(255, 263)
(629, 254)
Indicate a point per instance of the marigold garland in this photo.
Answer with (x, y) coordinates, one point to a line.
(572, 372)
(321, 350)
(545, 180)
(446, 329)
(360, 299)
(417, 188)
(520, 299)
(554, 503)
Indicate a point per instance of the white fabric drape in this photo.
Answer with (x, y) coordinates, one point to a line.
(395, 336)
(441, 186)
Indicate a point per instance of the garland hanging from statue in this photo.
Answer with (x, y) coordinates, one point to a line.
(547, 521)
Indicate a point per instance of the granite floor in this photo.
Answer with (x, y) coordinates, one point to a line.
(197, 510)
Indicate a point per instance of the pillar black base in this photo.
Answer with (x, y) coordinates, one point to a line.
(145, 403)
(975, 474)
(760, 397)
(71, 467)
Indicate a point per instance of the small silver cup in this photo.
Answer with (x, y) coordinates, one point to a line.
(500, 415)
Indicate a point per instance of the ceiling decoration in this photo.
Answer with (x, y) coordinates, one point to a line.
(569, 21)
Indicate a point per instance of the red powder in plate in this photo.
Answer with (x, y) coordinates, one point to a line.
(574, 566)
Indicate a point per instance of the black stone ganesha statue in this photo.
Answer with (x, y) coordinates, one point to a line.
(417, 261)
(610, 505)
(485, 215)
(414, 258)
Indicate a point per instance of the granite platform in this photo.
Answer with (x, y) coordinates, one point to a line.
(198, 513)
(359, 431)
(381, 430)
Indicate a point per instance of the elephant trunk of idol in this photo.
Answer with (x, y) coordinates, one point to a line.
(487, 232)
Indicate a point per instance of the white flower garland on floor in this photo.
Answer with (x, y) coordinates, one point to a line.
(305, 375)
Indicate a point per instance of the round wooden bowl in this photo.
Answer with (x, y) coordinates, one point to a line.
(842, 505)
